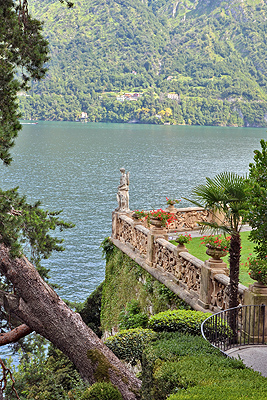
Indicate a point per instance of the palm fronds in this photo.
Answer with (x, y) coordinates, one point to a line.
(226, 194)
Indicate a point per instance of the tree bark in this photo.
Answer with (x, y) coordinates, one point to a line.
(234, 252)
(43, 311)
(234, 257)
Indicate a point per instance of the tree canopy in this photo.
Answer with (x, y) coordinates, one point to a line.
(23, 52)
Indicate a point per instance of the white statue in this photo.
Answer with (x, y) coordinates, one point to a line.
(123, 192)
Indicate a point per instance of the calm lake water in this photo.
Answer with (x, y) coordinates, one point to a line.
(75, 167)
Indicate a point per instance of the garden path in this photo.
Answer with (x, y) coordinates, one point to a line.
(254, 357)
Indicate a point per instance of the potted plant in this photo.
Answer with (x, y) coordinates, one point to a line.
(258, 270)
(217, 245)
(183, 239)
(159, 218)
(139, 214)
(170, 204)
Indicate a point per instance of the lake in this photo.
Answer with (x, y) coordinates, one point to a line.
(75, 167)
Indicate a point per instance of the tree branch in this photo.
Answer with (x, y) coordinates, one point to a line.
(14, 335)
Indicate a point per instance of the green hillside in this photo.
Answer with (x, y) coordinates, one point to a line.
(191, 62)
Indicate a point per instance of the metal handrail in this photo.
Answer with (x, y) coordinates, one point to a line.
(238, 326)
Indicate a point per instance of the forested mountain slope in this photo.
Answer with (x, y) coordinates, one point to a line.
(191, 62)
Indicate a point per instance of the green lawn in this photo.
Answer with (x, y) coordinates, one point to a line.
(199, 250)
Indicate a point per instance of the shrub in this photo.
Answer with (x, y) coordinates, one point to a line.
(90, 310)
(128, 344)
(102, 391)
(186, 321)
(186, 367)
(258, 269)
(132, 317)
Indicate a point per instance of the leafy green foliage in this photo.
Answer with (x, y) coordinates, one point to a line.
(186, 321)
(51, 377)
(179, 366)
(257, 200)
(132, 316)
(125, 281)
(23, 50)
(101, 391)
(129, 344)
(107, 248)
(203, 62)
(225, 196)
(90, 310)
(24, 226)
(226, 193)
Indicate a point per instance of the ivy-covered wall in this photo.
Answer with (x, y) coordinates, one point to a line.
(126, 281)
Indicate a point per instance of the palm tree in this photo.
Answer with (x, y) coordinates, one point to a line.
(226, 194)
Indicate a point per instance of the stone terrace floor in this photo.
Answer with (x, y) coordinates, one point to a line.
(254, 357)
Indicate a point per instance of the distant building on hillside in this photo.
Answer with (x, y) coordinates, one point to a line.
(129, 97)
(83, 115)
(173, 96)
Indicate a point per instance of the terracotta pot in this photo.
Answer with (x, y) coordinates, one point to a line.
(135, 216)
(171, 208)
(215, 252)
(181, 247)
(257, 283)
(156, 222)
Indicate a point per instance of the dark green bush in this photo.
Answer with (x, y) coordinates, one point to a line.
(132, 317)
(102, 391)
(90, 310)
(128, 345)
(186, 321)
(186, 367)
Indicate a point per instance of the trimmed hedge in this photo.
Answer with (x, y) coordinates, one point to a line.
(186, 321)
(185, 367)
(128, 344)
(102, 391)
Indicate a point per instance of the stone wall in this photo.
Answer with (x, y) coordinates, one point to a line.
(203, 285)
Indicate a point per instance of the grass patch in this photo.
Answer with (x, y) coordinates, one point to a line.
(198, 250)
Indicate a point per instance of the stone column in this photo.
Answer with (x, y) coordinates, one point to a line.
(154, 233)
(210, 268)
(150, 249)
(256, 295)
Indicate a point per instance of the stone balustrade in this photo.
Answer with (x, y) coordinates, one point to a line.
(204, 285)
(187, 219)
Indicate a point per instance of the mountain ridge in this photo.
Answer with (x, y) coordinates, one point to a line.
(203, 60)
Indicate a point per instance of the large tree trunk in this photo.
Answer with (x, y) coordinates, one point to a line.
(39, 307)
